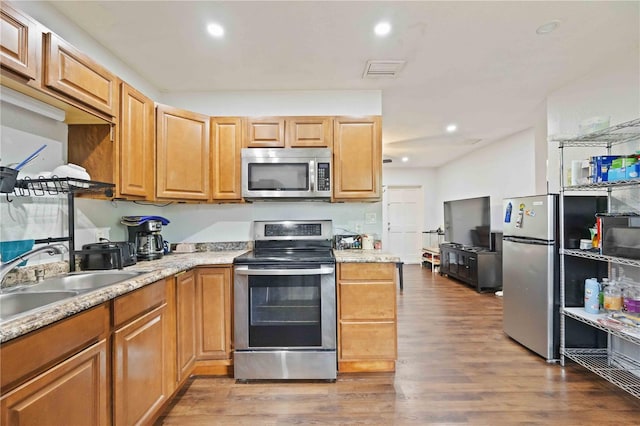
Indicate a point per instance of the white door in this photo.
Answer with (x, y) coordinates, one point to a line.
(404, 211)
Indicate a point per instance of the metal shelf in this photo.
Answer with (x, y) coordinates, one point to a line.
(616, 184)
(602, 363)
(604, 258)
(54, 186)
(597, 320)
(614, 135)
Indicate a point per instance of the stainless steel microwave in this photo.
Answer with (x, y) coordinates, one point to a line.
(286, 173)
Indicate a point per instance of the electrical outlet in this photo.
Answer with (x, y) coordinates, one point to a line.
(101, 233)
(370, 218)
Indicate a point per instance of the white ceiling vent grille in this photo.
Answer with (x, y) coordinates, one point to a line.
(382, 69)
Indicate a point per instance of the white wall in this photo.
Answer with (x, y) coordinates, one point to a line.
(505, 168)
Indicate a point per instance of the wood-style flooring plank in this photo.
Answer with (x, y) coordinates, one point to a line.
(455, 366)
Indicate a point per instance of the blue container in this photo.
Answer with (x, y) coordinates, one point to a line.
(602, 164)
(11, 249)
(592, 296)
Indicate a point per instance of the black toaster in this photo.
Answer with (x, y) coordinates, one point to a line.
(107, 255)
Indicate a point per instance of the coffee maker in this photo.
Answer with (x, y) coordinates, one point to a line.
(144, 233)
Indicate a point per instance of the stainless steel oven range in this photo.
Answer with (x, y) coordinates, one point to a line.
(285, 303)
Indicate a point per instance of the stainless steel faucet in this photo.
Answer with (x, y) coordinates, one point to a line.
(8, 266)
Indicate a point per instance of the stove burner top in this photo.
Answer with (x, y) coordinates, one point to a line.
(267, 256)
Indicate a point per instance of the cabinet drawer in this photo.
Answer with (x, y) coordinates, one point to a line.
(367, 271)
(28, 355)
(367, 301)
(368, 341)
(132, 305)
(68, 71)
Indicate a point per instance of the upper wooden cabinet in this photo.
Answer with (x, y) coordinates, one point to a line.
(357, 158)
(137, 145)
(19, 42)
(264, 132)
(309, 132)
(226, 143)
(68, 71)
(182, 150)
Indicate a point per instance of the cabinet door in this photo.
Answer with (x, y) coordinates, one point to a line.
(213, 310)
(264, 132)
(74, 392)
(226, 143)
(463, 266)
(137, 144)
(357, 158)
(68, 71)
(185, 324)
(18, 42)
(309, 132)
(182, 169)
(140, 386)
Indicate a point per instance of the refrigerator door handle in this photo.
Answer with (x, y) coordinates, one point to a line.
(535, 241)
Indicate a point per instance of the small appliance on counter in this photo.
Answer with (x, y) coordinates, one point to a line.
(144, 233)
(107, 255)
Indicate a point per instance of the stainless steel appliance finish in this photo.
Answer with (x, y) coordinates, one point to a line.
(285, 303)
(283, 173)
(530, 273)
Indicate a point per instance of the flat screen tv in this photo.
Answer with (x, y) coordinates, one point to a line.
(468, 221)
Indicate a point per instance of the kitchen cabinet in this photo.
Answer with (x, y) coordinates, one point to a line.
(264, 132)
(68, 71)
(226, 145)
(367, 323)
(619, 360)
(19, 42)
(213, 319)
(182, 149)
(309, 132)
(142, 371)
(58, 375)
(136, 174)
(185, 324)
(357, 158)
(478, 267)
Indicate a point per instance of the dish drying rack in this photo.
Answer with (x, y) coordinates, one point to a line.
(39, 187)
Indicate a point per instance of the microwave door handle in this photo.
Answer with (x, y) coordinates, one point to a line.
(312, 176)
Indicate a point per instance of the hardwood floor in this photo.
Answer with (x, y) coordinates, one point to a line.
(455, 366)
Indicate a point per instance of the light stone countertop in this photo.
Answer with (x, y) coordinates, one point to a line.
(363, 256)
(153, 271)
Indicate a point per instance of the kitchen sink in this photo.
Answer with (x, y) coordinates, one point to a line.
(81, 281)
(12, 304)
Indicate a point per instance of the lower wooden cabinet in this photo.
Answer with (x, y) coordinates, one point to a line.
(185, 324)
(367, 325)
(213, 323)
(142, 373)
(74, 392)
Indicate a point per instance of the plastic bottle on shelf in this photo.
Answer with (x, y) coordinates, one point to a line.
(591, 296)
(604, 284)
(612, 298)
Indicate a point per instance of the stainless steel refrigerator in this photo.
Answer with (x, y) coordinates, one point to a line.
(530, 272)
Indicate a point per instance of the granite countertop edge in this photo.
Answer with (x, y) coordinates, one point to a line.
(152, 271)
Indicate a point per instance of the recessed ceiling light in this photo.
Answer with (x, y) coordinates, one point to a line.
(215, 30)
(452, 128)
(405, 159)
(382, 29)
(548, 27)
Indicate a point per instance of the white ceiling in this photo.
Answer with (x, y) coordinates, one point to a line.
(478, 64)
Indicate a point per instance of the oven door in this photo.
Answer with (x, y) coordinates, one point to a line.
(285, 308)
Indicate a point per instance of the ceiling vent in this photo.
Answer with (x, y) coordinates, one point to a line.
(382, 69)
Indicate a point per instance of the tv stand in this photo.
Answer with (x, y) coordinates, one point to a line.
(479, 267)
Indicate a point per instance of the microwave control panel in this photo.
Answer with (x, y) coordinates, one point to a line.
(324, 177)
